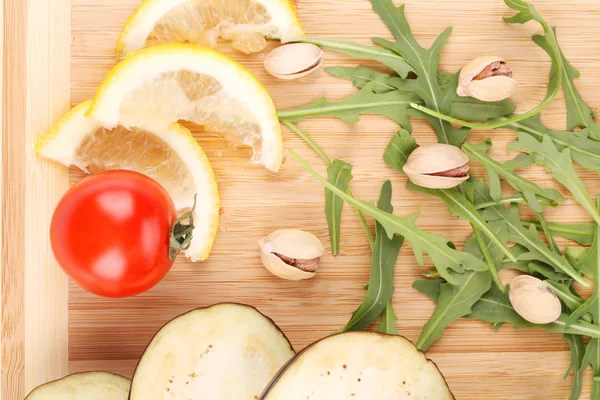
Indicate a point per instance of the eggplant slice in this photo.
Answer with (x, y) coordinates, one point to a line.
(359, 366)
(222, 352)
(84, 386)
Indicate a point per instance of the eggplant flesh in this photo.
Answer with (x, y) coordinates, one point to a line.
(226, 351)
(84, 386)
(359, 366)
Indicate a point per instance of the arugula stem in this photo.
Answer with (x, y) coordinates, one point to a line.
(344, 47)
(517, 198)
(488, 259)
(551, 243)
(327, 161)
(299, 113)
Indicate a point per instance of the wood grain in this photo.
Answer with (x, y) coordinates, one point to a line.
(111, 334)
(34, 290)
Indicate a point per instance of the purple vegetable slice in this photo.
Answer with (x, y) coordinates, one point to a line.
(359, 366)
(226, 351)
(84, 386)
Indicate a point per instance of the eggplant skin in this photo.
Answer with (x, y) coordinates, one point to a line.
(84, 386)
(226, 351)
(359, 366)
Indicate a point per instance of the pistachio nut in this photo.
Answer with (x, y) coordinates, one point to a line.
(292, 61)
(437, 166)
(487, 79)
(534, 300)
(291, 254)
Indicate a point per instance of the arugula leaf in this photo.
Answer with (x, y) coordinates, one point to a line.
(384, 56)
(581, 233)
(537, 250)
(397, 151)
(461, 207)
(587, 263)
(360, 76)
(535, 268)
(564, 292)
(591, 307)
(526, 13)
(574, 254)
(560, 165)
(441, 251)
(340, 175)
(530, 190)
(584, 151)
(575, 365)
(381, 281)
(455, 301)
(462, 107)
(495, 308)
(393, 105)
(425, 64)
(579, 114)
(388, 320)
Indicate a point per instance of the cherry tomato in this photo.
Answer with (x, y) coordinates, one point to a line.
(110, 233)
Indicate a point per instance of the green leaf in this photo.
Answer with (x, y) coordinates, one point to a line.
(393, 105)
(584, 151)
(455, 301)
(388, 320)
(361, 76)
(579, 114)
(581, 233)
(462, 107)
(340, 175)
(529, 239)
(430, 287)
(384, 56)
(587, 263)
(591, 307)
(536, 268)
(381, 281)
(480, 111)
(425, 65)
(560, 165)
(495, 308)
(574, 254)
(461, 207)
(564, 292)
(530, 190)
(526, 13)
(441, 251)
(577, 352)
(397, 151)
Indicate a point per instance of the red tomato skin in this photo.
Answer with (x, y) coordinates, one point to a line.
(110, 233)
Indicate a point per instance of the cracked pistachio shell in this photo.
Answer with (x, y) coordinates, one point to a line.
(291, 243)
(293, 61)
(494, 88)
(534, 300)
(432, 166)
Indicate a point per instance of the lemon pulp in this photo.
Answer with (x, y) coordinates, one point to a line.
(204, 21)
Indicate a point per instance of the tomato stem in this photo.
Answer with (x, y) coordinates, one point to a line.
(181, 232)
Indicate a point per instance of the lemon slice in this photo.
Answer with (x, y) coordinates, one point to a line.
(159, 85)
(168, 154)
(202, 22)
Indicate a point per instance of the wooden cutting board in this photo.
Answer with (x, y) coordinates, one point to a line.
(477, 362)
